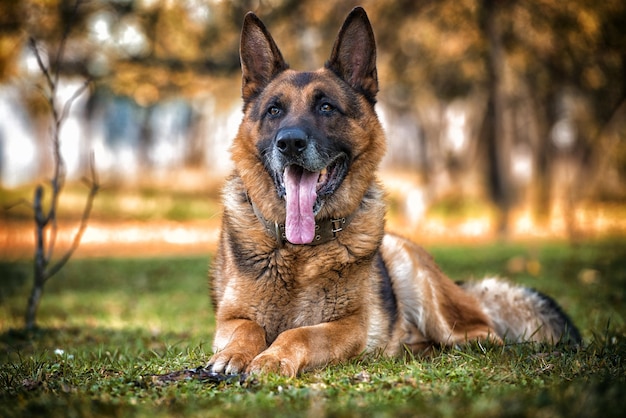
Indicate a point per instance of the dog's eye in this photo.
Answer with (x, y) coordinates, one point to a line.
(326, 108)
(274, 111)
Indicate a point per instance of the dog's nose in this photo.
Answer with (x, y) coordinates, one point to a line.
(291, 141)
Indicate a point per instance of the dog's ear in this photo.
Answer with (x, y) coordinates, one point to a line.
(261, 59)
(354, 54)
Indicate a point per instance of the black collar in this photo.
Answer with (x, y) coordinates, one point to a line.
(326, 230)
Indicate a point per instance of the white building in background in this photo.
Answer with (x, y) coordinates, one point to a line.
(127, 140)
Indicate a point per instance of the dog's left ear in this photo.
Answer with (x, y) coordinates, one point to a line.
(354, 54)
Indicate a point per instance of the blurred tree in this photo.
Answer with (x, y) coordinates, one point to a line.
(493, 134)
(527, 68)
(572, 54)
(523, 56)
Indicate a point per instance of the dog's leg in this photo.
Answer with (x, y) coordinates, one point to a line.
(435, 310)
(237, 342)
(304, 348)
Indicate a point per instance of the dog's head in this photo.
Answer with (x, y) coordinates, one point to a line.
(310, 142)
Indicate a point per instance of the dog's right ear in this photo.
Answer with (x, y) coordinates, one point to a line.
(261, 59)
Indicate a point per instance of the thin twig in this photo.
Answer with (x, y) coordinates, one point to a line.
(44, 69)
(66, 34)
(58, 181)
(94, 186)
(21, 201)
(74, 97)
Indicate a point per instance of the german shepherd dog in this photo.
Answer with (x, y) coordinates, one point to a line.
(305, 274)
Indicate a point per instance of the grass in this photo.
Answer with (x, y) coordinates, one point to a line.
(109, 325)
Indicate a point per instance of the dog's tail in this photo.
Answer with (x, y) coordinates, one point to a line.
(522, 314)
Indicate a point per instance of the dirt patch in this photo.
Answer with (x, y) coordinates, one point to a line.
(161, 237)
(107, 239)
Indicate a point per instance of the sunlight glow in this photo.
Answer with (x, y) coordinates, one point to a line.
(456, 128)
(523, 223)
(199, 11)
(131, 39)
(72, 134)
(476, 227)
(18, 149)
(218, 138)
(522, 163)
(101, 27)
(563, 134)
(138, 233)
(415, 205)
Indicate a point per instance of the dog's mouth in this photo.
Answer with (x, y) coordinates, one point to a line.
(305, 193)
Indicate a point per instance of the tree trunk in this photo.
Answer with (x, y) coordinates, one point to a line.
(33, 305)
(40, 261)
(544, 155)
(493, 132)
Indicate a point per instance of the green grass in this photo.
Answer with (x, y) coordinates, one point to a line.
(109, 325)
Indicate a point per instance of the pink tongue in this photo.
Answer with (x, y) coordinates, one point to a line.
(300, 186)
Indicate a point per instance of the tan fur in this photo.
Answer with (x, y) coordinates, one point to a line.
(286, 308)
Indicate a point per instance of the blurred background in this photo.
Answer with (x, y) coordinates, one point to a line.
(505, 118)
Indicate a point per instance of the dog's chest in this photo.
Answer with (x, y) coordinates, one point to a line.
(295, 293)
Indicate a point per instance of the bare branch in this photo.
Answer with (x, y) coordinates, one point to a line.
(94, 186)
(44, 69)
(75, 96)
(58, 181)
(66, 33)
(20, 202)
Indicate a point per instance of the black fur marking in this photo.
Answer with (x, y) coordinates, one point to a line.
(248, 262)
(388, 296)
(352, 106)
(301, 79)
(370, 99)
(571, 335)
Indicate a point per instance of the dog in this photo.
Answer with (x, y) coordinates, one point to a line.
(304, 275)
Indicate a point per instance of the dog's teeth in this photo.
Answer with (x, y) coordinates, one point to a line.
(322, 177)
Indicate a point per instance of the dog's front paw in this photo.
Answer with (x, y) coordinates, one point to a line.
(268, 362)
(229, 362)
